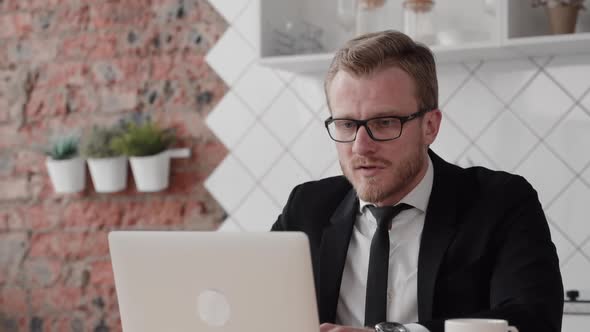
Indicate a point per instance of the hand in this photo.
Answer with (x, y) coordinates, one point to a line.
(327, 327)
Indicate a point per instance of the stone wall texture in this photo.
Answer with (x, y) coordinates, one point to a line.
(64, 66)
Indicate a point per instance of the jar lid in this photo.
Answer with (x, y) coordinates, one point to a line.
(418, 5)
(371, 4)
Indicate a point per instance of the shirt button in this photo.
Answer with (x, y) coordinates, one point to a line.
(389, 296)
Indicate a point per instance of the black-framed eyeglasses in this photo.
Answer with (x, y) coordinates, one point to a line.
(383, 128)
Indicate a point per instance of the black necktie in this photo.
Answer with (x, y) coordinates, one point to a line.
(376, 298)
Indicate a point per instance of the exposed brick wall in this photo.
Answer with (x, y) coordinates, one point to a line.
(67, 64)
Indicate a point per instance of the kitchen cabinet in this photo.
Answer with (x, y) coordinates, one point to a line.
(301, 36)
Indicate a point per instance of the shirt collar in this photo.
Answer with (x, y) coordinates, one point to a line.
(419, 196)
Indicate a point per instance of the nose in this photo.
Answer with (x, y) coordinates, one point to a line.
(363, 144)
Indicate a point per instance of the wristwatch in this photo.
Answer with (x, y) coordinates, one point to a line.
(390, 327)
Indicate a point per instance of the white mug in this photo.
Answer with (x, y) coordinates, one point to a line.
(478, 325)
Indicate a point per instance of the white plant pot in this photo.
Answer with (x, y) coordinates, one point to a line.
(151, 173)
(67, 176)
(109, 175)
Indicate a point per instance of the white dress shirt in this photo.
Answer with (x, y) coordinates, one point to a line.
(404, 237)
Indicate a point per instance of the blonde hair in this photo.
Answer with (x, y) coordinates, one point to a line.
(371, 52)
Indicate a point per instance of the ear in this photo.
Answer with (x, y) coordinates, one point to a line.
(431, 125)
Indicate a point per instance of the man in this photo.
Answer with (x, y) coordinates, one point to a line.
(455, 242)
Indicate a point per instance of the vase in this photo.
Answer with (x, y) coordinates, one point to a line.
(108, 175)
(67, 176)
(151, 173)
(563, 18)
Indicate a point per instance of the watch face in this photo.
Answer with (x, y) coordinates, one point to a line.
(390, 327)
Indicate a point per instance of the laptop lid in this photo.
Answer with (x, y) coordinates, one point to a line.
(213, 281)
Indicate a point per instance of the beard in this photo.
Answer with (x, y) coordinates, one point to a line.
(376, 189)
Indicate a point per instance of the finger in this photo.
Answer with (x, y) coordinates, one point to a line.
(326, 327)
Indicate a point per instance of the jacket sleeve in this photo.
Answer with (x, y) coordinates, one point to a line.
(526, 287)
(282, 222)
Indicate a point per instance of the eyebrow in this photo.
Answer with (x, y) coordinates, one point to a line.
(376, 115)
(388, 113)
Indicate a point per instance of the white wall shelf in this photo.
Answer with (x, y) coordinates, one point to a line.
(506, 29)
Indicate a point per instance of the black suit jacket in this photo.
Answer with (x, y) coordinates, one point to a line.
(485, 249)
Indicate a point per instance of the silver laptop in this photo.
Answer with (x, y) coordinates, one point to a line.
(211, 281)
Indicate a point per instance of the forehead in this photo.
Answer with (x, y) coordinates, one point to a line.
(388, 90)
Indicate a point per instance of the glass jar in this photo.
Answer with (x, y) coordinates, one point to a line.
(419, 21)
(371, 16)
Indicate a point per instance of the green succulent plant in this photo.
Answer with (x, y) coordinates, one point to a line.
(97, 143)
(143, 139)
(62, 148)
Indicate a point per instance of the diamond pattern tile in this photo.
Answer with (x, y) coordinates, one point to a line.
(473, 65)
(230, 8)
(229, 225)
(571, 72)
(229, 183)
(474, 157)
(286, 76)
(586, 175)
(450, 77)
(287, 117)
(248, 23)
(586, 248)
(258, 212)
(474, 107)
(571, 139)
(314, 150)
(585, 102)
(230, 119)
(541, 104)
(536, 169)
(564, 247)
(576, 272)
(323, 114)
(333, 170)
(258, 150)
(541, 61)
(571, 210)
(450, 142)
(223, 58)
(575, 323)
(258, 87)
(310, 90)
(506, 78)
(283, 177)
(498, 141)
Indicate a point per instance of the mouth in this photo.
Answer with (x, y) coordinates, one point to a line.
(369, 170)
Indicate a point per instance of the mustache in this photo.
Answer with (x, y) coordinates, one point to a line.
(357, 162)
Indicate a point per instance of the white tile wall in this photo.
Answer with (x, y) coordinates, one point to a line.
(572, 136)
(450, 79)
(284, 175)
(224, 59)
(258, 150)
(586, 175)
(261, 82)
(529, 116)
(561, 175)
(542, 104)
(230, 111)
(506, 78)
(503, 133)
(473, 107)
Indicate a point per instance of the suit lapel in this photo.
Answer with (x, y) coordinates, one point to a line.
(334, 249)
(437, 233)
